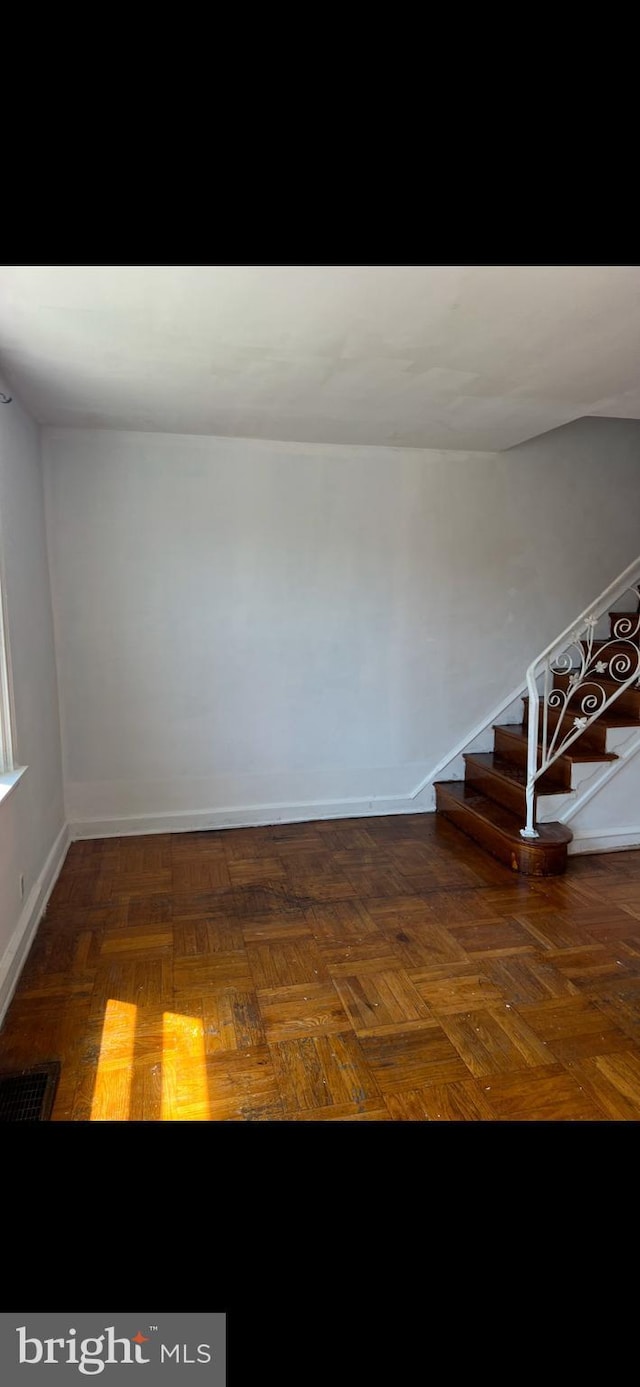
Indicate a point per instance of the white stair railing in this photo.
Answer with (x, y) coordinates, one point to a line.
(588, 667)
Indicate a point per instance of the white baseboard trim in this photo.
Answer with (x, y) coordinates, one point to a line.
(604, 840)
(15, 955)
(253, 816)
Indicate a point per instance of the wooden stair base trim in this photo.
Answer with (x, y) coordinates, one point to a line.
(498, 831)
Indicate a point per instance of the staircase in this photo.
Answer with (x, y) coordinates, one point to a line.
(490, 804)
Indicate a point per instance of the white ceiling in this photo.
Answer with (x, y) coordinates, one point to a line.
(412, 356)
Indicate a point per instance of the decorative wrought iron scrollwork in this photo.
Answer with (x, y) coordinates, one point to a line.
(589, 677)
(585, 696)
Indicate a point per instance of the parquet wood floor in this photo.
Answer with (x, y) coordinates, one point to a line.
(361, 970)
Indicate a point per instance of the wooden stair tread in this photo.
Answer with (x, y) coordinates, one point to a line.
(603, 719)
(562, 676)
(520, 736)
(508, 770)
(628, 616)
(575, 669)
(502, 819)
(598, 644)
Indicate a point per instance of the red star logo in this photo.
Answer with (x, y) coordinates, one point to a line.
(140, 1338)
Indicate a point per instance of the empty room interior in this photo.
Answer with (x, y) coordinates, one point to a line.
(320, 693)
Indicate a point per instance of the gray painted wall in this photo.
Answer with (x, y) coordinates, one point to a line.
(244, 624)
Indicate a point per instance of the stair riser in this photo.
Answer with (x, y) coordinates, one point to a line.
(573, 773)
(633, 633)
(497, 788)
(627, 704)
(598, 737)
(594, 736)
(520, 857)
(557, 777)
(610, 650)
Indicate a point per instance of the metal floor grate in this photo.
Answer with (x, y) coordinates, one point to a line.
(27, 1095)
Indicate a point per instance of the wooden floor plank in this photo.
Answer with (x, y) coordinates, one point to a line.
(574, 1029)
(379, 1001)
(462, 991)
(305, 1009)
(622, 1005)
(368, 1111)
(283, 963)
(241, 1087)
(613, 1083)
(456, 1102)
(543, 1095)
(413, 1056)
(495, 1040)
(378, 969)
(320, 1071)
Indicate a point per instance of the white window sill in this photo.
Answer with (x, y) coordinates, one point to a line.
(8, 781)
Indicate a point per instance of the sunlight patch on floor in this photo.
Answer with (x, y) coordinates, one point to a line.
(112, 1091)
(181, 1077)
(185, 1094)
